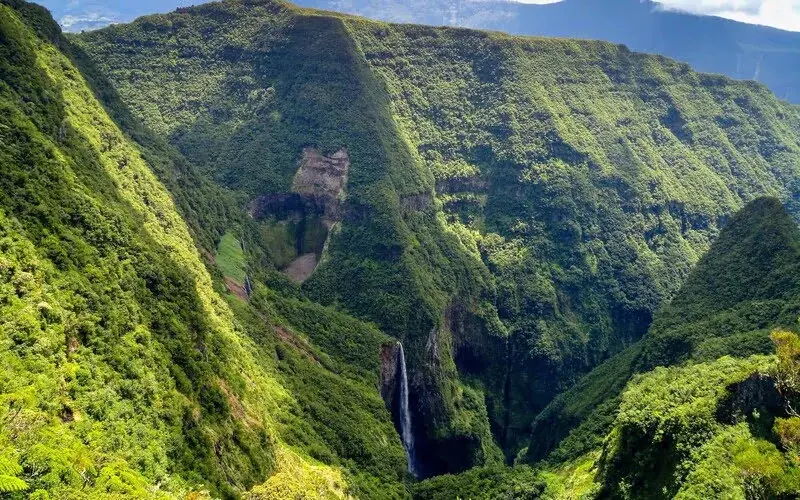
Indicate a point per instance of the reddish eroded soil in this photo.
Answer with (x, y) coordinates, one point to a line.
(298, 343)
(237, 408)
(302, 267)
(236, 289)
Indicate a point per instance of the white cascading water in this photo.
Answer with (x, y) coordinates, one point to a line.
(405, 415)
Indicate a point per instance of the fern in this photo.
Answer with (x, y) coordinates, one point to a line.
(9, 467)
(11, 484)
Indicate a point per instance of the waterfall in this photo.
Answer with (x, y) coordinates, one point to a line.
(405, 415)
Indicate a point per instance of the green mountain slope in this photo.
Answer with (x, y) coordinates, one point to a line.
(216, 224)
(515, 209)
(126, 369)
(747, 285)
(696, 409)
(392, 260)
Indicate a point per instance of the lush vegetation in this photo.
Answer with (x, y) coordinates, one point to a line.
(747, 285)
(526, 222)
(691, 433)
(230, 258)
(127, 371)
(717, 419)
(589, 191)
(390, 262)
(515, 226)
(708, 43)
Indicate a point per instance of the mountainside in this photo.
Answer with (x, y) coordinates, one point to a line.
(253, 250)
(746, 286)
(710, 44)
(126, 371)
(708, 414)
(515, 210)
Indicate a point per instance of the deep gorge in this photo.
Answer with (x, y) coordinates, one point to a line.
(255, 251)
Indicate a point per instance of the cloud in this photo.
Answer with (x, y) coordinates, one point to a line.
(85, 21)
(749, 7)
(783, 14)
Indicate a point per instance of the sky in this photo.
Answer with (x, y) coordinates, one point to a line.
(783, 14)
(75, 15)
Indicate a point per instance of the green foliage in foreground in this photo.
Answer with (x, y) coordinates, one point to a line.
(9, 472)
(483, 483)
(673, 437)
(114, 346)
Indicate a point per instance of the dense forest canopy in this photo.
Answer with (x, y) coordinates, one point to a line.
(247, 247)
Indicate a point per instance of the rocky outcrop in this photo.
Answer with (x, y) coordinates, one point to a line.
(318, 189)
(416, 202)
(462, 184)
(284, 206)
(757, 394)
(322, 179)
(388, 376)
(309, 212)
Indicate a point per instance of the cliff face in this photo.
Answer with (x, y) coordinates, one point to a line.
(515, 210)
(388, 379)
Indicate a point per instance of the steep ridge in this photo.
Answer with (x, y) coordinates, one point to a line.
(126, 370)
(516, 209)
(746, 286)
(708, 43)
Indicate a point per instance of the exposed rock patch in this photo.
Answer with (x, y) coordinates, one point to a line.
(302, 267)
(309, 212)
(236, 289)
(462, 184)
(755, 394)
(388, 379)
(416, 202)
(322, 179)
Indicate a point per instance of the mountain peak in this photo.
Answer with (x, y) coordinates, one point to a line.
(741, 286)
(749, 260)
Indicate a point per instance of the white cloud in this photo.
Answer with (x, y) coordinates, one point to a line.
(783, 14)
(90, 20)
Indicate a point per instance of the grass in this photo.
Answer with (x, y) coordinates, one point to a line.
(230, 258)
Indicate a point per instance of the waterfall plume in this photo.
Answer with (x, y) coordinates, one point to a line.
(405, 415)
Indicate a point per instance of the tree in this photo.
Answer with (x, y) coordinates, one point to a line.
(787, 371)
